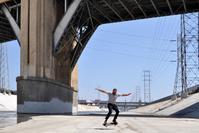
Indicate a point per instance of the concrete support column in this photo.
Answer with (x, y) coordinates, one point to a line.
(45, 84)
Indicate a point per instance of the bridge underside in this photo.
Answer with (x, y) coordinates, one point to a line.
(6, 32)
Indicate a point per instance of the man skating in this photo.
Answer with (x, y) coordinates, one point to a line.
(112, 104)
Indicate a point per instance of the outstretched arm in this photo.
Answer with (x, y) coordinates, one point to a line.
(103, 91)
(126, 94)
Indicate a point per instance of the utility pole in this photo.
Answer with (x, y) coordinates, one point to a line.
(137, 92)
(147, 86)
(98, 97)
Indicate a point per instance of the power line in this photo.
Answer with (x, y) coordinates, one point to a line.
(137, 36)
(132, 45)
(166, 56)
(161, 28)
(122, 53)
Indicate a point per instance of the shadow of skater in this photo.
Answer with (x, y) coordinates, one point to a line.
(104, 128)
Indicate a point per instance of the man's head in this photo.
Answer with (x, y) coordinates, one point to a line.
(114, 92)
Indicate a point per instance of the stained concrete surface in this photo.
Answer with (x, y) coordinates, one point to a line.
(188, 107)
(7, 119)
(93, 124)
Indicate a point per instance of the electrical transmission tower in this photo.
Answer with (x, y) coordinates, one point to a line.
(137, 92)
(4, 70)
(187, 73)
(147, 86)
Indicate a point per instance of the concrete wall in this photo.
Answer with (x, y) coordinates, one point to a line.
(74, 85)
(38, 95)
(39, 19)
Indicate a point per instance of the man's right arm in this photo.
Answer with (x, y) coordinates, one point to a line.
(103, 91)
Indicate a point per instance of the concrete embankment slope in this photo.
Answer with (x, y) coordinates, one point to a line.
(8, 102)
(153, 108)
(188, 107)
(86, 108)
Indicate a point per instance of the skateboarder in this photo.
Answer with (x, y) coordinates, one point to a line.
(112, 104)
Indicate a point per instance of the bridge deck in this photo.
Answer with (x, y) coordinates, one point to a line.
(6, 32)
(3, 1)
(108, 11)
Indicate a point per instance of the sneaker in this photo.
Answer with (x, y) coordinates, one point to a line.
(105, 122)
(115, 122)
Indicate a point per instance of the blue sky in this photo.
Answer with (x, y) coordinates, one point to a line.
(117, 54)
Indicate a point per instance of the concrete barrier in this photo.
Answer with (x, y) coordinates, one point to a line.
(44, 96)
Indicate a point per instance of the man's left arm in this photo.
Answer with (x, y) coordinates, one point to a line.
(125, 94)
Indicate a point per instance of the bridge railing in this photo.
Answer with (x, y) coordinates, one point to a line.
(8, 91)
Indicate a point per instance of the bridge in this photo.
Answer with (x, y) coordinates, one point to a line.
(52, 35)
(124, 106)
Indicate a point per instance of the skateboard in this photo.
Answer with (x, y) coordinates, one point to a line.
(110, 124)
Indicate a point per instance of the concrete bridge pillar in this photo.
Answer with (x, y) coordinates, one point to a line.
(45, 85)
